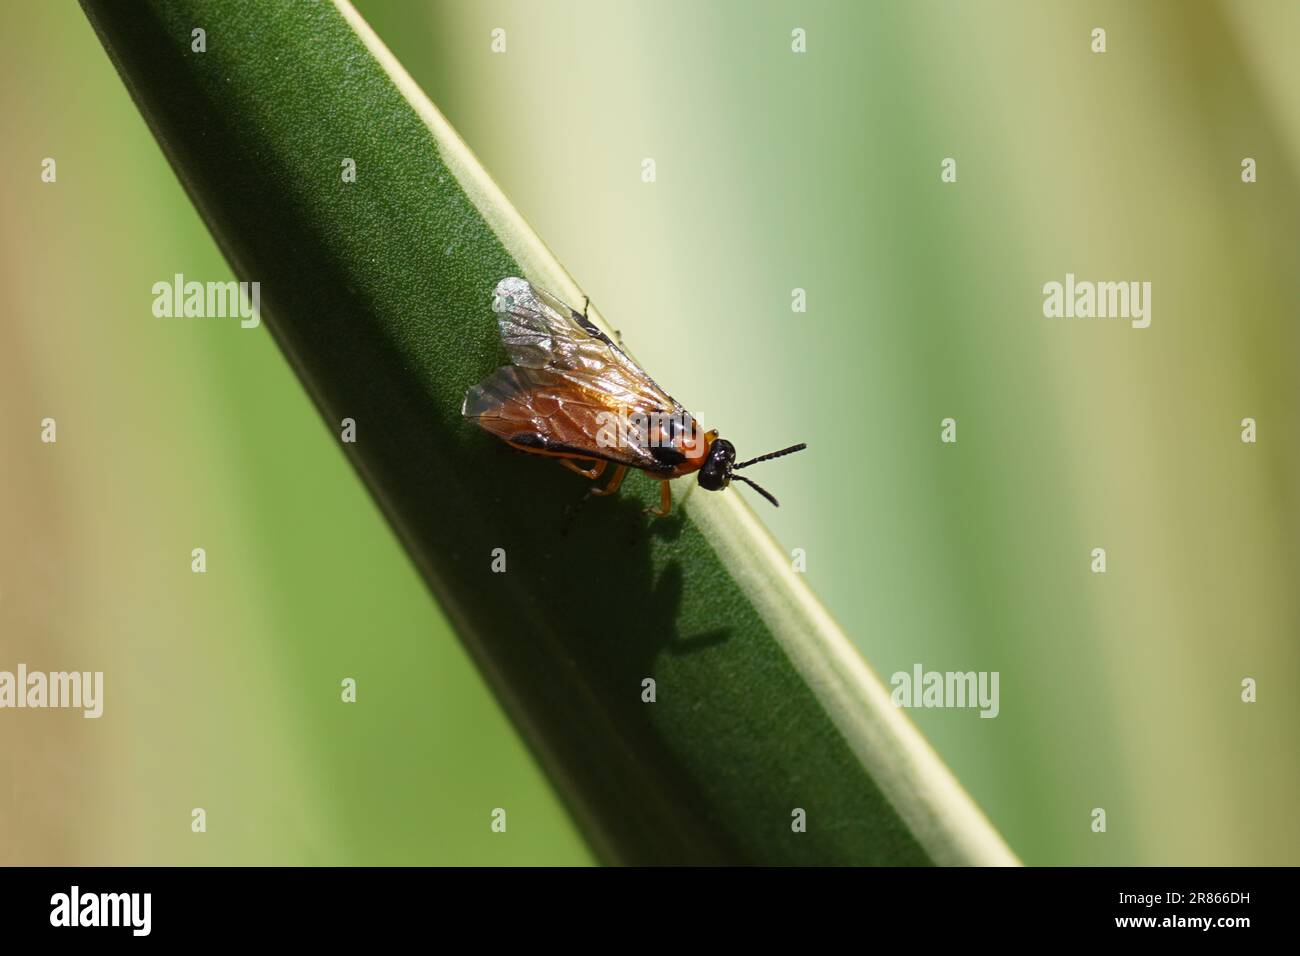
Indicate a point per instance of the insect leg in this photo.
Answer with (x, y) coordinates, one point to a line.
(614, 482)
(594, 472)
(665, 501)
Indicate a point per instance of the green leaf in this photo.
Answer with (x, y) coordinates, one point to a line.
(378, 291)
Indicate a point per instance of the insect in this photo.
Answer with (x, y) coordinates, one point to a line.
(571, 393)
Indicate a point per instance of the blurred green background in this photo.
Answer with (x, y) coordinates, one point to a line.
(775, 170)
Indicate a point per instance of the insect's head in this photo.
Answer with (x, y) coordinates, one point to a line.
(720, 466)
(715, 473)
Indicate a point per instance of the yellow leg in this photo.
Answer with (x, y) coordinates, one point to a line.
(614, 482)
(595, 472)
(665, 501)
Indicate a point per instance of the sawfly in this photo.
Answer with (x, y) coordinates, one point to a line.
(571, 393)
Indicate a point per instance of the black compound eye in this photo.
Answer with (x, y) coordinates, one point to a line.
(716, 472)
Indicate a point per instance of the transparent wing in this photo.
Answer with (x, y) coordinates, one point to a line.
(541, 332)
(541, 410)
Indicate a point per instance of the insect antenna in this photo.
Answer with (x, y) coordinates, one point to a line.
(770, 455)
(761, 490)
